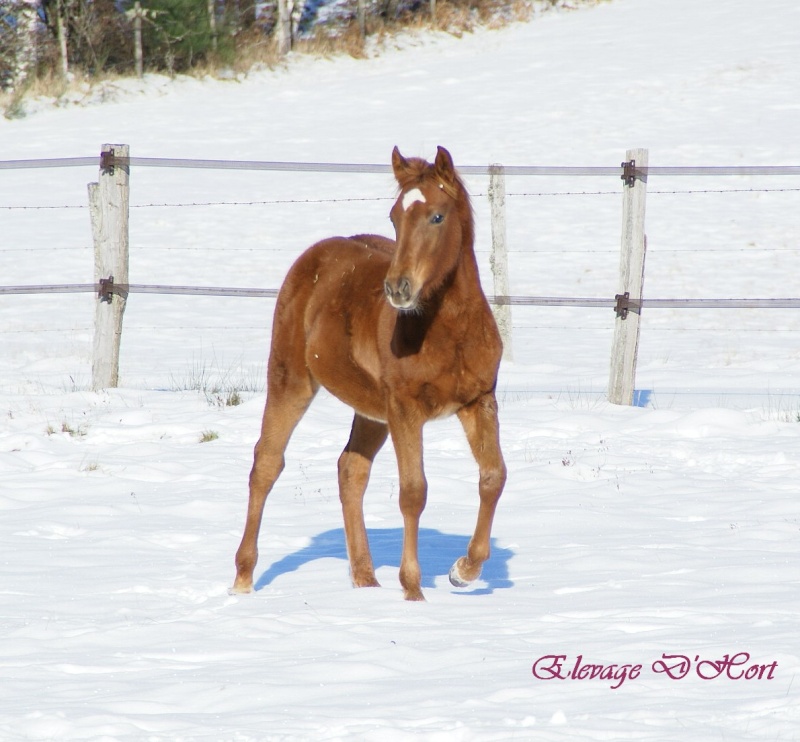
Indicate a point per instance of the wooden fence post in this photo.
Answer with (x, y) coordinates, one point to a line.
(108, 205)
(499, 256)
(631, 280)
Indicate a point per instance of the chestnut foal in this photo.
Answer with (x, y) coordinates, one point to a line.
(402, 332)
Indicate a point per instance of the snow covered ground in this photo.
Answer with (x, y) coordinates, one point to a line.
(624, 534)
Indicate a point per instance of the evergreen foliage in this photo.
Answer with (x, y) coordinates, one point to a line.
(176, 34)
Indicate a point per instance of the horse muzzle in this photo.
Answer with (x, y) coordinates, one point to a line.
(400, 294)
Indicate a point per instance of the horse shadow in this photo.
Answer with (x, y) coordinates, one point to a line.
(437, 552)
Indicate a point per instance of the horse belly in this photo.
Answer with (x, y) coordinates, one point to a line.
(342, 316)
(443, 396)
(347, 380)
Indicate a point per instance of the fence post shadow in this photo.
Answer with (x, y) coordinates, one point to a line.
(437, 552)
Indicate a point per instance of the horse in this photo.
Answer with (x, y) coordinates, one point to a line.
(401, 331)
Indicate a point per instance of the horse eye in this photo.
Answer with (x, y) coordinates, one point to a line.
(437, 218)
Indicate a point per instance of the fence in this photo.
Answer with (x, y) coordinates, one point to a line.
(109, 207)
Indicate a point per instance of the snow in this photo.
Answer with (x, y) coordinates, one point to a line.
(624, 534)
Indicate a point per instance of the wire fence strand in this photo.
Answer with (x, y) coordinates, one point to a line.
(364, 199)
(106, 161)
(540, 301)
(329, 167)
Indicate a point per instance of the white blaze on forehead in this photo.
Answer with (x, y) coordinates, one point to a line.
(413, 196)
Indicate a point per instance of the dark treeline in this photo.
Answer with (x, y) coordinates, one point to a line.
(44, 40)
(96, 36)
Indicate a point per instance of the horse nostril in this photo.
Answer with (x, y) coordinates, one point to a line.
(398, 292)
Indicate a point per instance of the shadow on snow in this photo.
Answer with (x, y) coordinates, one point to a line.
(437, 552)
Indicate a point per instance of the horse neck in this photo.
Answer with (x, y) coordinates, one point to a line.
(466, 283)
(458, 299)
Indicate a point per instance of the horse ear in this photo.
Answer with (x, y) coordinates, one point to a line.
(399, 165)
(444, 166)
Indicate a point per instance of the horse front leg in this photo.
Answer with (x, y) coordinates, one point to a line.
(406, 433)
(479, 420)
(366, 438)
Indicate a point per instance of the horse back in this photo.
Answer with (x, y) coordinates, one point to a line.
(376, 242)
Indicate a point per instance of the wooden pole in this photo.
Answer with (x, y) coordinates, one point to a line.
(212, 24)
(138, 56)
(361, 13)
(499, 256)
(284, 27)
(631, 281)
(27, 50)
(108, 204)
(61, 36)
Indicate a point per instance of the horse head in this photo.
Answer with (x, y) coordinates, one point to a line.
(432, 220)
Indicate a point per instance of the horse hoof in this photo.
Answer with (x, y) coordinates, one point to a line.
(240, 589)
(457, 578)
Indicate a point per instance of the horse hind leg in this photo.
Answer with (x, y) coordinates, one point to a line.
(479, 420)
(286, 403)
(366, 439)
